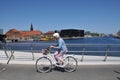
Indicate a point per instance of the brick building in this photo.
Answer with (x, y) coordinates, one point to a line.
(22, 35)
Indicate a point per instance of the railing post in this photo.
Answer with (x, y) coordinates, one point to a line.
(12, 52)
(83, 54)
(13, 57)
(32, 51)
(8, 47)
(4, 48)
(106, 54)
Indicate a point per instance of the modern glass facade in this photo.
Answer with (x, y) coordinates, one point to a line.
(72, 33)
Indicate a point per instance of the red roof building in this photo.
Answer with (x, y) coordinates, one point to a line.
(22, 35)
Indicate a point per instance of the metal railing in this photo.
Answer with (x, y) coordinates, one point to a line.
(106, 49)
(80, 49)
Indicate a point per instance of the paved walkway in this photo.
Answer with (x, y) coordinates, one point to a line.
(84, 72)
(27, 58)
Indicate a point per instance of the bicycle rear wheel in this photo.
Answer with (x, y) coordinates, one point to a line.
(43, 65)
(71, 64)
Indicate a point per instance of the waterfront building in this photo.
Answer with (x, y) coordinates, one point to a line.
(66, 34)
(1, 31)
(70, 33)
(19, 35)
(14, 34)
(2, 36)
(48, 36)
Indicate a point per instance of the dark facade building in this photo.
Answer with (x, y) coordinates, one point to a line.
(72, 33)
(2, 38)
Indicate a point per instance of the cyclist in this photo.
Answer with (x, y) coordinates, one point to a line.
(61, 49)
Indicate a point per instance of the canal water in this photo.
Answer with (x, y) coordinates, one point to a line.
(90, 45)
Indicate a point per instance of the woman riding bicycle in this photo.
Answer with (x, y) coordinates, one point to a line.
(61, 48)
(69, 63)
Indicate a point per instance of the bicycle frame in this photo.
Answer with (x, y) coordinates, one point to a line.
(52, 58)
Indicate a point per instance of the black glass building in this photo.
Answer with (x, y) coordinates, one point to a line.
(72, 33)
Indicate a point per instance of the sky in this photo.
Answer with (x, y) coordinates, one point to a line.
(102, 16)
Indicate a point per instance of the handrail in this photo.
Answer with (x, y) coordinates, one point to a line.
(83, 50)
(46, 43)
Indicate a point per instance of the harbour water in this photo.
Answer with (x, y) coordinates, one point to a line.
(76, 45)
(95, 40)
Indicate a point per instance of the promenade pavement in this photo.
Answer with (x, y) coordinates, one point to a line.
(22, 67)
(83, 72)
(27, 58)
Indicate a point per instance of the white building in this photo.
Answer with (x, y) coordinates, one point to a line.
(1, 31)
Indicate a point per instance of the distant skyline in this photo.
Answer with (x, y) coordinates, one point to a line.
(102, 16)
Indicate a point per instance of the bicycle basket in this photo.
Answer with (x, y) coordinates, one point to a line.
(45, 51)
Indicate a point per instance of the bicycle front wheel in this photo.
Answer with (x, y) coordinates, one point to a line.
(43, 65)
(71, 64)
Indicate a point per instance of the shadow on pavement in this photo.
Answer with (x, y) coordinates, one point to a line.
(117, 71)
(118, 78)
(59, 69)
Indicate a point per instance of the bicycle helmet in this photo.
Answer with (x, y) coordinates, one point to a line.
(56, 35)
